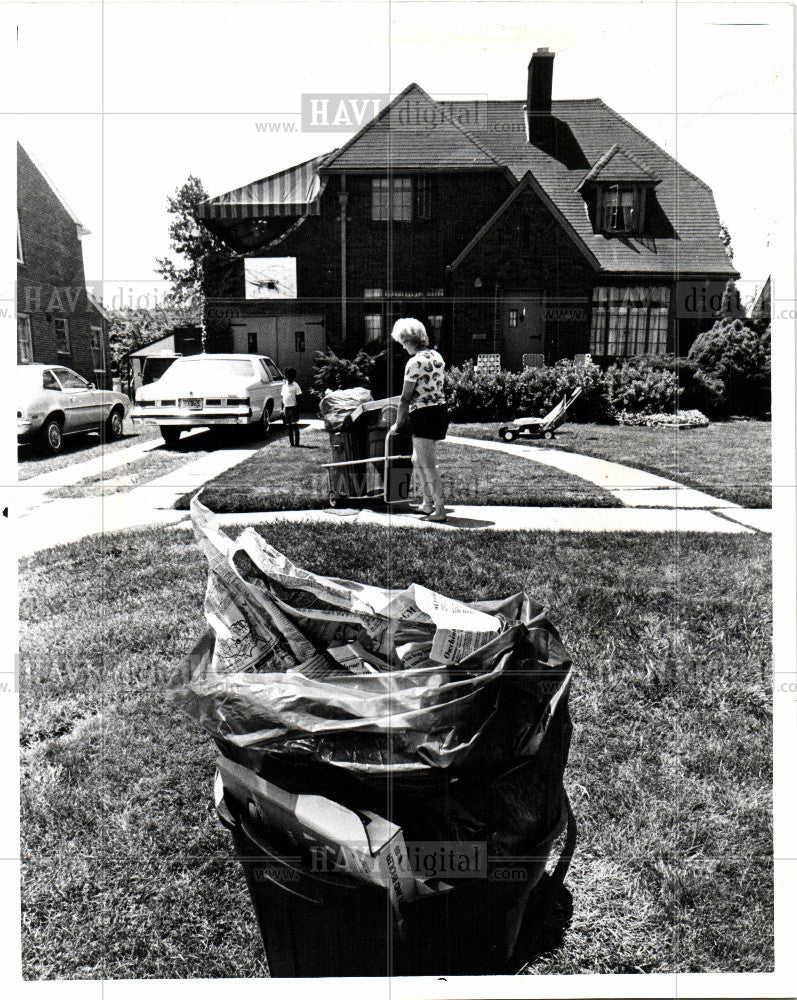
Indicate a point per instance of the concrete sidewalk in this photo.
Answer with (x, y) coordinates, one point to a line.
(651, 503)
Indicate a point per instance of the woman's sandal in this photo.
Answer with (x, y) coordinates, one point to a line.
(436, 518)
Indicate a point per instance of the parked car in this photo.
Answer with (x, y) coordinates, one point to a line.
(53, 401)
(210, 390)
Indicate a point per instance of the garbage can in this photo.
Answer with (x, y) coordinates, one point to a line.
(362, 458)
(328, 924)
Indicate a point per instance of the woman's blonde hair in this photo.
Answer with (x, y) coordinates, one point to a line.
(410, 333)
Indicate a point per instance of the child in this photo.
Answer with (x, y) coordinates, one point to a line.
(290, 394)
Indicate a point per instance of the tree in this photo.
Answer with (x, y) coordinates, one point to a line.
(130, 328)
(191, 242)
(740, 357)
(725, 238)
(731, 305)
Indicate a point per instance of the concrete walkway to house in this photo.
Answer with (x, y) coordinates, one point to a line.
(632, 487)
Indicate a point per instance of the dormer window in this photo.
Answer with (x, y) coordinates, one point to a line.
(621, 208)
(615, 190)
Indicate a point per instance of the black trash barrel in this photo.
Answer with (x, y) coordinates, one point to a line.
(316, 924)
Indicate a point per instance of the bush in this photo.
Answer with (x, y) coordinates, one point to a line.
(739, 356)
(639, 386)
(332, 372)
(473, 395)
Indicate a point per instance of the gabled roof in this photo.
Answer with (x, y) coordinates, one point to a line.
(81, 229)
(762, 307)
(683, 217)
(97, 304)
(295, 191)
(527, 181)
(617, 165)
(413, 132)
(585, 140)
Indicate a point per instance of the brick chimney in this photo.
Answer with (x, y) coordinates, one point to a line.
(538, 93)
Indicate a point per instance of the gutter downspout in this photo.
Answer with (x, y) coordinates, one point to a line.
(343, 199)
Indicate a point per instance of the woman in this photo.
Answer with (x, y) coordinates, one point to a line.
(423, 407)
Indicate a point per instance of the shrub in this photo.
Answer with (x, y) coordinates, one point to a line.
(473, 395)
(739, 356)
(641, 386)
(332, 372)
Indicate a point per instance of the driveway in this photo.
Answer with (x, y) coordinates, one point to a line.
(98, 495)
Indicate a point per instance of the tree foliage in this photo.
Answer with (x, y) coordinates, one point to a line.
(740, 357)
(130, 329)
(190, 243)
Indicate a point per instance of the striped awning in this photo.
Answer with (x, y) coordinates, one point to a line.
(293, 192)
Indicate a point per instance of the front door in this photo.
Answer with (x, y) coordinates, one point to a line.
(522, 330)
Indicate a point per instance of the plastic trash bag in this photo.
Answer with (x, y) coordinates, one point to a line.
(470, 745)
(336, 405)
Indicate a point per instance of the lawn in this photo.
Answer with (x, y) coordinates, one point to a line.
(731, 460)
(283, 478)
(126, 872)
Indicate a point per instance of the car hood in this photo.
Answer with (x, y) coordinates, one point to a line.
(180, 388)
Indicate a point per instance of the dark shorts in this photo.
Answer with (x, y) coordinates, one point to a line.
(290, 414)
(429, 422)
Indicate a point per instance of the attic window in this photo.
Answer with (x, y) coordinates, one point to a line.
(621, 208)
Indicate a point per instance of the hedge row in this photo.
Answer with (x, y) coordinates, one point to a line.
(639, 386)
(727, 372)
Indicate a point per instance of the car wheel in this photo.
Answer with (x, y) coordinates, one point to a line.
(264, 424)
(507, 435)
(548, 435)
(170, 435)
(114, 425)
(52, 436)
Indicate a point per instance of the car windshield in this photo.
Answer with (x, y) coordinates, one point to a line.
(187, 368)
(70, 379)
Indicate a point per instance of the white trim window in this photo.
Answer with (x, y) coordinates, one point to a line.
(97, 349)
(391, 199)
(373, 327)
(20, 255)
(61, 330)
(629, 321)
(24, 340)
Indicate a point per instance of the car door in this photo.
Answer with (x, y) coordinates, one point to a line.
(276, 381)
(82, 405)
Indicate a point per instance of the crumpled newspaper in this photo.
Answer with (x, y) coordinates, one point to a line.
(322, 665)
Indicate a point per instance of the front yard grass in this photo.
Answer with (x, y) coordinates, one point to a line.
(731, 460)
(127, 873)
(279, 477)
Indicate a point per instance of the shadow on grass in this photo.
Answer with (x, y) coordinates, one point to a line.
(31, 453)
(545, 924)
(213, 438)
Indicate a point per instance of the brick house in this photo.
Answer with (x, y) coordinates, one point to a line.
(58, 319)
(542, 227)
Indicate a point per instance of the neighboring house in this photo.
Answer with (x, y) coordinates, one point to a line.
(761, 310)
(58, 319)
(537, 227)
